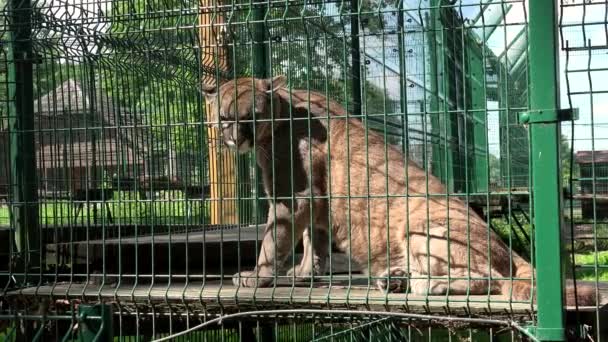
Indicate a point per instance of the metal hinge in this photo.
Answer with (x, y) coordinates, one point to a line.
(547, 115)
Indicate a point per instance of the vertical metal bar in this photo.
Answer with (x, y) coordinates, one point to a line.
(24, 200)
(260, 58)
(259, 70)
(544, 95)
(93, 184)
(355, 52)
(432, 24)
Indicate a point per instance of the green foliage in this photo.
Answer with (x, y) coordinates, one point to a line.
(589, 260)
(494, 164)
(567, 167)
(512, 235)
(155, 71)
(8, 330)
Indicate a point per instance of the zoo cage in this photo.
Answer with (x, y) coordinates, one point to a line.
(123, 214)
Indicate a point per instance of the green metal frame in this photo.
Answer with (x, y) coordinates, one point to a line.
(95, 323)
(476, 116)
(24, 199)
(546, 179)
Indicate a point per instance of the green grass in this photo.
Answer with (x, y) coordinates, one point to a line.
(589, 259)
(6, 333)
(126, 208)
(356, 332)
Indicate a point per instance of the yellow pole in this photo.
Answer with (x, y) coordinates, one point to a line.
(222, 173)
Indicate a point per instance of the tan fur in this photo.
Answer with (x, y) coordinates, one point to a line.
(376, 195)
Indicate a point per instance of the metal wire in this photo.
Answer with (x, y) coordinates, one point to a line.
(220, 319)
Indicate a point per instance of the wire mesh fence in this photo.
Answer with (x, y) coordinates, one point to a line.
(373, 180)
(583, 44)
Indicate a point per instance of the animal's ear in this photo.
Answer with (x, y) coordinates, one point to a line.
(209, 90)
(275, 83)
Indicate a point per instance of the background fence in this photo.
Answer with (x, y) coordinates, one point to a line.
(114, 190)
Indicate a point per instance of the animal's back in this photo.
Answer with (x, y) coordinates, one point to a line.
(375, 199)
(383, 206)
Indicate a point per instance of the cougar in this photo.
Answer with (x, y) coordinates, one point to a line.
(392, 217)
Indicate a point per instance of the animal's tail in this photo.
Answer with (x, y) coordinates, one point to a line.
(522, 290)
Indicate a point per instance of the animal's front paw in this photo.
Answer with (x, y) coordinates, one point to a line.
(429, 287)
(306, 270)
(397, 283)
(252, 279)
(301, 272)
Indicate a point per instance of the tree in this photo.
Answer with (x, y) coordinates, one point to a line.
(150, 67)
(494, 165)
(567, 167)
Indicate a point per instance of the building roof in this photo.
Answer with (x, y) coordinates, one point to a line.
(71, 106)
(79, 154)
(71, 102)
(587, 157)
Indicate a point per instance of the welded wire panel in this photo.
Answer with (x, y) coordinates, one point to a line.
(384, 171)
(584, 43)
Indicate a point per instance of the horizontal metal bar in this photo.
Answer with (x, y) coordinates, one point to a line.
(20, 316)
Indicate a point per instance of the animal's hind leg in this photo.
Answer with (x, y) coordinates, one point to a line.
(430, 255)
(466, 283)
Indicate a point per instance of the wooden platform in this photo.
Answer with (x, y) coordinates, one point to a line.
(214, 296)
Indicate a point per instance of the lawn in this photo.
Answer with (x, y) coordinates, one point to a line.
(125, 208)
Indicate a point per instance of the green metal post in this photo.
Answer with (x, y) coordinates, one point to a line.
(260, 70)
(476, 99)
(444, 126)
(95, 329)
(24, 200)
(544, 95)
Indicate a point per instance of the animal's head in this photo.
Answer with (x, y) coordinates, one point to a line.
(241, 107)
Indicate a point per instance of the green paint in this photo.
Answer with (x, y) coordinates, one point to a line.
(98, 327)
(546, 180)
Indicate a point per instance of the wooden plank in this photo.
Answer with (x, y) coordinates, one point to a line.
(219, 235)
(222, 173)
(597, 197)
